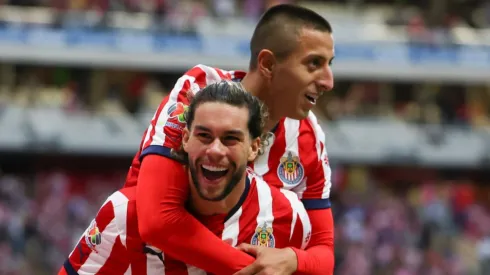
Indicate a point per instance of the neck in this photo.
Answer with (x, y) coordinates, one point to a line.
(253, 84)
(208, 208)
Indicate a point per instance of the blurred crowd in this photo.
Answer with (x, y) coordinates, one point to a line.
(131, 93)
(382, 226)
(417, 15)
(43, 215)
(425, 227)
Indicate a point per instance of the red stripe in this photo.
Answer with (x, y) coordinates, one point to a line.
(82, 251)
(297, 239)
(222, 75)
(133, 239)
(174, 267)
(62, 271)
(277, 150)
(248, 220)
(312, 162)
(118, 261)
(282, 212)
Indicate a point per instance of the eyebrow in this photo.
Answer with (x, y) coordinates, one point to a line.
(229, 132)
(315, 55)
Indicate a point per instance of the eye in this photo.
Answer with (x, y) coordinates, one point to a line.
(316, 62)
(330, 62)
(230, 140)
(204, 136)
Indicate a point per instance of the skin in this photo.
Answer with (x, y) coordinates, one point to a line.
(219, 137)
(283, 84)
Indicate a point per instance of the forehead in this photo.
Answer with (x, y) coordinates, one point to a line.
(221, 117)
(311, 41)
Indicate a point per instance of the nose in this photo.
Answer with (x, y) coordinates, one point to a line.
(216, 150)
(325, 83)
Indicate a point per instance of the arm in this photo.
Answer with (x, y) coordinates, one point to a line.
(318, 258)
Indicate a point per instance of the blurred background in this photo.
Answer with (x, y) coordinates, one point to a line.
(407, 125)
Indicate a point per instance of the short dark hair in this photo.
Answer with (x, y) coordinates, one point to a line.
(279, 27)
(233, 94)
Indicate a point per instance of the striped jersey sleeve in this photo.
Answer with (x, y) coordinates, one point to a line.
(102, 248)
(165, 130)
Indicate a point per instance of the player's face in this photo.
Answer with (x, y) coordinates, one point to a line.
(298, 81)
(218, 147)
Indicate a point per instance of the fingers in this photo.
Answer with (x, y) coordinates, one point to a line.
(250, 270)
(250, 249)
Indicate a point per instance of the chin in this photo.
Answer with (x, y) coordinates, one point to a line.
(299, 115)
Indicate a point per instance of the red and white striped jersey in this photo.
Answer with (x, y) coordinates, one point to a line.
(295, 160)
(264, 216)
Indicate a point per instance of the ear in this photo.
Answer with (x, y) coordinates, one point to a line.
(254, 149)
(266, 62)
(185, 138)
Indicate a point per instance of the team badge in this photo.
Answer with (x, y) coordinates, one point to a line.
(178, 111)
(93, 238)
(263, 237)
(290, 170)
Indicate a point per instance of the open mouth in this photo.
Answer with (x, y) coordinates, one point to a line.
(213, 173)
(311, 98)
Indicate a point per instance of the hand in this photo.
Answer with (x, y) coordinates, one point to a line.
(269, 261)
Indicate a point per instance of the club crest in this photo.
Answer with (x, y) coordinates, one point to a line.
(178, 111)
(263, 237)
(93, 237)
(290, 171)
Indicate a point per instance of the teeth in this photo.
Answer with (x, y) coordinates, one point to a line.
(311, 99)
(313, 96)
(214, 168)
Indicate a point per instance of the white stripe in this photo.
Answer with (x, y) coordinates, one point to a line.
(192, 270)
(84, 232)
(153, 264)
(120, 204)
(291, 128)
(265, 215)
(319, 135)
(305, 220)
(148, 131)
(299, 211)
(95, 261)
(300, 189)
(322, 154)
(159, 136)
(212, 75)
(232, 228)
(261, 163)
(293, 200)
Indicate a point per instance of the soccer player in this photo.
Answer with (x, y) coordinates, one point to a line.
(224, 125)
(291, 51)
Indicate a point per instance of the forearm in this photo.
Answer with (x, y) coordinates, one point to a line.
(164, 223)
(318, 258)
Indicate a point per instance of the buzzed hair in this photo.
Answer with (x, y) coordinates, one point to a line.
(279, 27)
